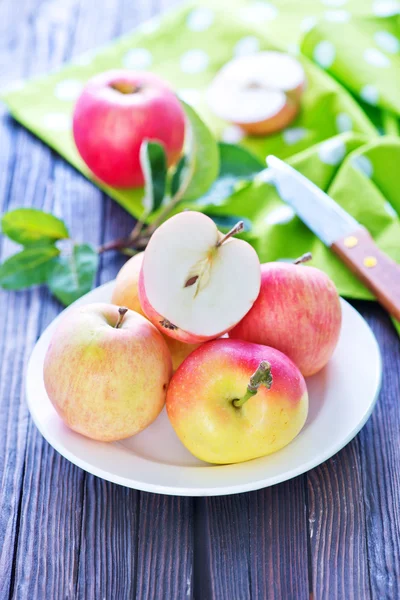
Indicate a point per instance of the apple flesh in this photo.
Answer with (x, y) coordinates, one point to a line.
(115, 113)
(196, 284)
(126, 293)
(106, 371)
(219, 419)
(261, 93)
(297, 311)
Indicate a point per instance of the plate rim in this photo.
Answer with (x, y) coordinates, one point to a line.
(223, 490)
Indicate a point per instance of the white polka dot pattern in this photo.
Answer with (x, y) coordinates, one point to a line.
(194, 61)
(324, 54)
(332, 152)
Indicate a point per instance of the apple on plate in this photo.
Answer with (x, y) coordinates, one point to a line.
(232, 401)
(106, 371)
(115, 113)
(195, 283)
(126, 293)
(261, 93)
(297, 311)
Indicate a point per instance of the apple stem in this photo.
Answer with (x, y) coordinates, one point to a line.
(236, 229)
(262, 376)
(122, 312)
(113, 245)
(124, 87)
(303, 258)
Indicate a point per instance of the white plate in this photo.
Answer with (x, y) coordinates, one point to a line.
(342, 397)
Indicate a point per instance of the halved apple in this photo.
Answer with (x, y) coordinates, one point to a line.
(261, 93)
(195, 283)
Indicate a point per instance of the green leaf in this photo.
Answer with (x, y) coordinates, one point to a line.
(29, 226)
(29, 267)
(177, 176)
(238, 161)
(237, 165)
(154, 166)
(72, 276)
(202, 164)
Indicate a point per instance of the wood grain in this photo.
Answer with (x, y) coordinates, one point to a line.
(373, 267)
(379, 443)
(222, 542)
(278, 549)
(21, 311)
(165, 548)
(253, 545)
(337, 528)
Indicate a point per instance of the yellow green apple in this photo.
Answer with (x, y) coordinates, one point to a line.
(232, 401)
(106, 371)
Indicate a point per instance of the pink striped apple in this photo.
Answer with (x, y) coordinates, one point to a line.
(297, 311)
(106, 371)
(232, 401)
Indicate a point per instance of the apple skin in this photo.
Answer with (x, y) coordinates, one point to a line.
(298, 312)
(126, 293)
(276, 123)
(200, 409)
(126, 290)
(281, 120)
(107, 383)
(109, 126)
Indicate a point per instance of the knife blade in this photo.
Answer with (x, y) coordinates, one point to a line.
(341, 232)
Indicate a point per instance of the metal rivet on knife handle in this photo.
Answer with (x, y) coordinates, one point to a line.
(370, 261)
(351, 241)
(375, 269)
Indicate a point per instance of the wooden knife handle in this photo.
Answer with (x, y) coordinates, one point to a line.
(375, 269)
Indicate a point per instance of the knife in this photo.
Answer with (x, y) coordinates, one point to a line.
(341, 232)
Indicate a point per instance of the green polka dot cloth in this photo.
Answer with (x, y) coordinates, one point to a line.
(346, 138)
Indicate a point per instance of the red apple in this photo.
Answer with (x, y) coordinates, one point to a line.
(116, 111)
(298, 312)
(232, 401)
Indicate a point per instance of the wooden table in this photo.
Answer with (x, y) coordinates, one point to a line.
(64, 534)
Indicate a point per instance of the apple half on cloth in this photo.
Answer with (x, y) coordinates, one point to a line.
(261, 93)
(195, 283)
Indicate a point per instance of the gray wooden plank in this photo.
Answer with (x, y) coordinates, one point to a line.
(21, 311)
(109, 534)
(165, 548)
(380, 459)
(337, 528)
(20, 331)
(222, 548)
(253, 545)
(278, 548)
(49, 523)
